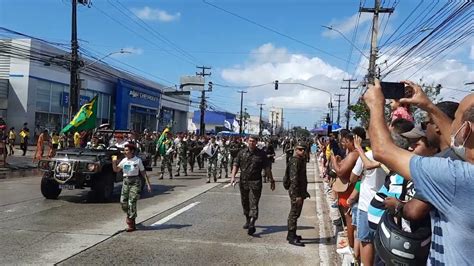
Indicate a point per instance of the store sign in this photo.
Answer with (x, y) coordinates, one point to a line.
(65, 99)
(142, 95)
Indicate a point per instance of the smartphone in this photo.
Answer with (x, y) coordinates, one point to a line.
(393, 90)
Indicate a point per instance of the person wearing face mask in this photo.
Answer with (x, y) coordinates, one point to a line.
(445, 183)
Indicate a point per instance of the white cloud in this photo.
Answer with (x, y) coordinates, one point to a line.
(345, 25)
(148, 13)
(270, 63)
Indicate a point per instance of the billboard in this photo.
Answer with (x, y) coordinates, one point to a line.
(192, 83)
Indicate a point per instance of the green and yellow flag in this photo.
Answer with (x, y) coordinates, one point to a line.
(84, 119)
(159, 142)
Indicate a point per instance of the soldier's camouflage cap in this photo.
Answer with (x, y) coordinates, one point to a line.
(300, 145)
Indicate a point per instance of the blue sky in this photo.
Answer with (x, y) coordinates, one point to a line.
(239, 52)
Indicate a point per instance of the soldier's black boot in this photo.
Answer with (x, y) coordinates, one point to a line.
(251, 229)
(171, 175)
(246, 225)
(297, 236)
(293, 239)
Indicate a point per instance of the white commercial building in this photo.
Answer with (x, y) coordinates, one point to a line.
(34, 88)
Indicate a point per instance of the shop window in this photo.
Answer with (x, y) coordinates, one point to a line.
(56, 98)
(43, 95)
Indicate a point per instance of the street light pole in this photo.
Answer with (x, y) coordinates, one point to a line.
(241, 107)
(260, 129)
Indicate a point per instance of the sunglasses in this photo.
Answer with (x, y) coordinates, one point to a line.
(300, 149)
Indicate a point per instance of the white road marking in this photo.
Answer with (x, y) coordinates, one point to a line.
(228, 185)
(174, 214)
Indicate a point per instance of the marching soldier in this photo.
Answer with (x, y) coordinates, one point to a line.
(234, 148)
(251, 161)
(182, 153)
(288, 148)
(199, 158)
(223, 158)
(270, 151)
(192, 142)
(132, 168)
(212, 151)
(165, 150)
(297, 190)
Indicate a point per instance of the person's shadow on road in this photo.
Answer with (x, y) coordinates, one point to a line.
(160, 227)
(276, 228)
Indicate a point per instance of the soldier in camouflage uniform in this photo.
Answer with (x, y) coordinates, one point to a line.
(192, 142)
(165, 149)
(234, 147)
(182, 153)
(199, 157)
(288, 148)
(212, 154)
(251, 161)
(223, 157)
(298, 182)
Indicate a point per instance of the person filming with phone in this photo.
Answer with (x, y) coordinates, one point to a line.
(445, 183)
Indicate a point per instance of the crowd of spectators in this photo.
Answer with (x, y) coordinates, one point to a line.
(405, 178)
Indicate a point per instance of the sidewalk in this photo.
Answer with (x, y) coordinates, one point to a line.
(18, 162)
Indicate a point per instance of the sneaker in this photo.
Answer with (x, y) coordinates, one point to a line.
(344, 251)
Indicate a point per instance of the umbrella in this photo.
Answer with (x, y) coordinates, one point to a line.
(334, 126)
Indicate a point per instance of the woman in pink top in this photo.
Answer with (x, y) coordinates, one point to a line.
(401, 111)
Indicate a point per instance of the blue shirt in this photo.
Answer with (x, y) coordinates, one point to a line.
(393, 187)
(449, 186)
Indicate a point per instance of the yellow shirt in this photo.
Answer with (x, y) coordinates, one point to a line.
(11, 134)
(55, 139)
(77, 139)
(328, 152)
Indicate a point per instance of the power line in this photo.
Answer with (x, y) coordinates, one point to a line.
(274, 31)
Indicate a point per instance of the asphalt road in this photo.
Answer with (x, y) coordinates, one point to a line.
(182, 222)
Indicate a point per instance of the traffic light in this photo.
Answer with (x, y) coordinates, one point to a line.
(276, 84)
(328, 119)
(209, 86)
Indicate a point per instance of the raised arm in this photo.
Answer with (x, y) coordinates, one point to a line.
(383, 147)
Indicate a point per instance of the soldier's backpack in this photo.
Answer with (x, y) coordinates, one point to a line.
(286, 178)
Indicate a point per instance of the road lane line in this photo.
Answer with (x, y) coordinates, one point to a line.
(174, 214)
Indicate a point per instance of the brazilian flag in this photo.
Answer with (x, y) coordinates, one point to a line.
(84, 119)
(161, 139)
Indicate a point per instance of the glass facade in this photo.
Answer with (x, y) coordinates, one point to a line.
(141, 118)
(166, 118)
(52, 108)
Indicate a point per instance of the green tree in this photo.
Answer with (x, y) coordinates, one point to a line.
(301, 132)
(361, 112)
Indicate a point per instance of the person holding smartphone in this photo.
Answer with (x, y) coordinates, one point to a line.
(132, 168)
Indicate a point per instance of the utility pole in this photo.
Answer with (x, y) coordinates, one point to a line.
(74, 86)
(202, 106)
(241, 107)
(375, 30)
(339, 107)
(260, 129)
(74, 79)
(348, 100)
(272, 112)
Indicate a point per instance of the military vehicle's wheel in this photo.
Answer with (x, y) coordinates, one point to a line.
(50, 188)
(103, 187)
